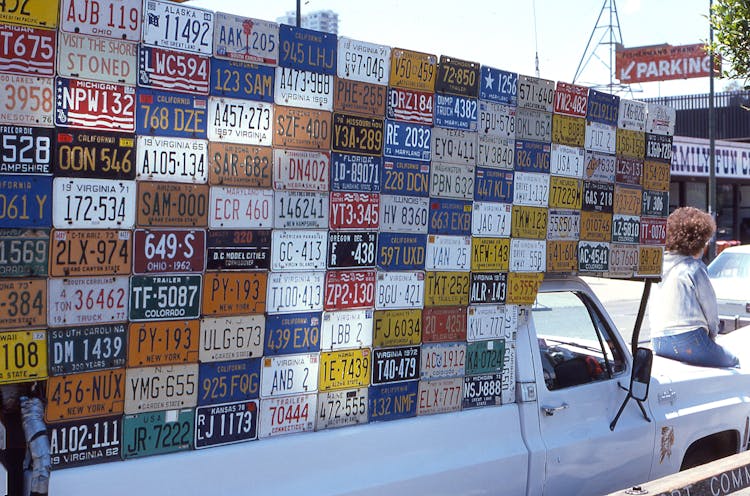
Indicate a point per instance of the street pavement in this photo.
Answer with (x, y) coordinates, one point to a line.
(621, 300)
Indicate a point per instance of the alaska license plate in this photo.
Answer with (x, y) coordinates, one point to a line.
(495, 151)
(401, 251)
(404, 214)
(169, 250)
(393, 401)
(24, 253)
(527, 255)
(233, 164)
(456, 112)
(566, 161)
(172, 70)
(90, 252)
(188, 28)
(224, 382)
(284, 375)
(294, 292)
(163, 343)
(298, 250)
(600, 137)
(598, 197)
(172, 204)
(593, 256)
(304, 89)
(409, 105)
(342, 408)
(397, 327)
(356, 173)
(354, 210)
(235, 79)
(28, 100)
(532, 156)
(529, 222)
(399, 290)
(23, 303)
(301, 170)
(228, 423)
(87, 300)
(346, 329)
(395, 364)
(179, 160)
(413, 70)
(451, 217)
(347, 289)
(531, 189)
(499, 86)
(24, 357)
(26, 150)
(407, 140)
(27, 50)
(490, 254)
(491, 322)
(84, 442)
(443, 288)
(230, 42)
(351, 249)
(491, 219)
(240, 208)
(85, 395)
(157, 433)
(234, 293)
(165, 297)
(535, 93)
(150, 389)
(238, 250)
(165, 113)
(442, 360)
(448, 252)
(86, 203)
(300, 210)
(287, 415)
(231, 338)
(92, 58)
(359, 98)
(234, 120)
(488, 287)
(94, 105)
(444, 324)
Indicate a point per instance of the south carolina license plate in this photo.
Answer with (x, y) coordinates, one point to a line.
(292, 292)
(150, 389)
(397, 290)
(86, 300)
(165, 297)
(234, 293)
(262, 46)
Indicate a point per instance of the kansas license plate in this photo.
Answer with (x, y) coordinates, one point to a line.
(301, 170)
(448, 252)
(234, 120)
(629, 170)
(300, 210)
(289, 374)
(23, 303)
(529, 222)
(655, 203)
(93, 154)
(563, 224)
(493, 185)
(163, 343)
(84, 442)
(119, 19)
(404, 214)
(393, 401)
(443, 324)
(31, 14)
(593, 256)
(600, 167)
(231, 338)
(397, 328)
(531, 189)
(567, 130)
(307, 50)
(458, 77)
(234, 79)
(293, 292)
(523, 287)
(527, 255)
(596, 226)
(165, 297)
(238, 250)
(535, 93)
(234, 164)
(346, 329)
(497, 120)
(630, 143)
(454, 146)
(172, 204)
(179, 160)
(492, 322)
(395, 364)
(356, 134)
(446, 288)
(484, 357)
(92, 58)
(490, 254)
(25, 356)
(89, 252)
(26, 150)
(499, 86)
(598, 196)
(166, 113)
(298, 250)
(168, 250)
(27, 50)
(533, 125)
(660, 119)
(442, 360)
(354, 210)
(356, 173)
(228, 423)
(632, 115)
(565, 192)
(157, 433)
(653, 230)
(456, 112)
(452, 181)
(261, 45)
(359, 98)
(603, 108)
(451, 217)
(562, 256)
(567, 161)
(407, 140)
(406, 178)
(240, 208)
(489, 287)
(172, 70)
(234, 293)
(656, 176)
(92, 105)
(399, 251)
(408, 105)
(87, 300)
(399, 290)
(413, 70)
(188, 28)
(150, 389)
(658, 147)
(482, 390)
(348, 289)
(571, 99)
(24, 253)
(623, 260)
(29, 100)
(85, 395)
(287, 415)
(304, 89)
(224, 382)
(600, 137)
(351, 249)
(342, 408)
(650, 260)
(491, 219)
(86, 203)
(532, 156)
(344, 369)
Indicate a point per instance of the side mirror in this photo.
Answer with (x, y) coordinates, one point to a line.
(640, 379)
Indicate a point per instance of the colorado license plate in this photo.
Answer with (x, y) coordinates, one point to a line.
(89, 252)
(26, 150)
(234, 293)
(240, 208)
(235, 164)
(346, 329)
(231, 338)
(357, 173)
(168, 250)
(85, 395)
(92, 105)
(491, 322)
(228, 423)
(301, 170)
(491, 219)
(188, 28)
(488, 287)
(397, 251)
(444, 324)
(29, 100)
(86, 300)
(304, 89)
(342, 408)
(406, 140)
(446, 288)
(287, 415)
(623, 260)
(150, 389)
(165, 297)
(298, 250)
(300, 210)
(238, 250)
(289, 374)
(163, 343)
(240, 121)
(24, 357)
(24, 253)
(397, 328)
(261, 46)
(348, 289)
(593, 256)
(351, 249)
(442, 360)
(179, 160)
(292, 292)
(87, 57)
(27, 50)
(172, 70)
(156, 433)
(527, 255)
(399, 290)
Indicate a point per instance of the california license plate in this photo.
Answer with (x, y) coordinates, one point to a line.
(92, 105)
(359, 98)
(660, 119)
(598, 197)
(496, 119)
(529, 222)
(650, 260)
(84, 442)
(235, 79)
(397, 327)
(490, 254)
(395, 364)
(535, 93)
(231, 338)
(100, 203)
(565, 192)
(188, 28)
(27, 50)
(655, 203)
(172, 204)
(169, 250)
(346, 329)
(150, 389)
(85, 395)
(454, 146)
(623, 260)
(354, 210)
(456, 112)
(442, 360)
(119, 19)
(156, 433)
(571, 99)
(527, 255)
(567, 130)
(531, 189)
(562, 256)
(87, 57)
(399, 251)
(24, 357)
(165, 113)
(493, 185)
(444, 324)
(352, 250)
(301, 170)
(300, 210)
(596, 226)
(287, 415)
(407, 140)
(228, 423)
(89, 252)
(240, 208)
(393, 401)
(534, 125)
(356, 173)
(593, 256)
(653, 230)
(305, 89)
(172, 70)
(485, 357)
(658, 147)
(403, 214)
(532, 156)
(87, 300)
(499, 86)
(495, 151)
(563, 224)
(342, 408)
(298, 250)
(29, 100)
(23, 303)
(448, 252)
(240, 121)
(491, 219)
(234, 293)
(603, 108)
(600, 167)
(443, 288)
(600, 137)
(165, 297)
(482, 390)
(632, 115)
(95, 154)
(163, 343)
(224, 382)
(399, 290)
(292, 292)
(491, 322)
(452, 181)
(413, 70)
(24, 253)
(566, 161)
(261, 45)
(488, 287)
(179, 160)
(307, 50)
(409, 105)
(656, 176)
(284, 375)
(238, 250)
(523, 287)
(349, 289)
(233, 164)
(26, 150)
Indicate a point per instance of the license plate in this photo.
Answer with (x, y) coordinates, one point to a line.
(234, 164)
(397, 328)
(523, 287)
(173, 71)
(28, 50)
(92, 105)
(307, 50)
(354, 210)
(395, 365)
(562, 256)
(157, 433)
(408, 105)
(226, 382)
(632, 115)
(535, 93)
(172, 159)
(629, 171)
(531, 189)
(100, 203)
(84, 442)
(344, 369)
(399, 290)
(393, 401)
(625, 228)
(89, 252)
(298, 250)
(655, 203)
(566, 161)
(119, 19)
(346, 329)
(492, 322)
(26, 150)
(234, 79)
(27, 362)
(660, 119)
(456, 112)
(349, 289)
(656, 176)
(359, 98)
(352, 250)
(86, 300)
(630, 143)
(172, 204)
(532, 156)
(238, 250)
(165, 297)
(600, 167)
(240, 208)
(571, 99)
(29, 100)
(600, 137)
(233, 120)
(301, 128)
(653, 230)
(163, 343)
(406, 178)
(623, 260)
(533, 125)
(398, 251)
(94, 154)
(603, 108)
(497, 120)
(294, 292)
(356, 173)
(596, 226)
(185, 28)
(650, 260)
(289, 374)
(23, 303)
(443, 324)
(493, 185)
(563, 224)
(598, 197)
(168, 250)
(24, 253)
(231, 338)
(413, 70)
(407, 140)
(452, 181)
(491, 219)
(34, 14)
(593, 256)
(457, 77)
(658, 147)
(454, 146)
(485, 357)
(567, 130)
(448, 252)
(490, 287)
(627, 200)
(301, 170)
(499, 86)
(304, 89)
(362, 61)
(446, 288)
(452, 217)
(85, 395)
(300, 210)
(234, 293)
(490, 254)
(260, 45)
(442, 360)
(482, 390)
(150, 389)
(529, 222)
(528, 255)
(342, 408)
(356, 134)
(287, 415)
(565, 192)
(228, 423)
(164, 113)
(509, 373)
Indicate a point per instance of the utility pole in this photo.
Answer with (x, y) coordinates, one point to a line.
(711, 134)
(299, 14)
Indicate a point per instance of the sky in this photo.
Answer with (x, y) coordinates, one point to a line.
(507, 34)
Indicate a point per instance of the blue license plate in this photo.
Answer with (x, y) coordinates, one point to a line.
(532, 156)
(225, 382)
(485, 357)
(603, 108)
(226, 424)
(401, 177)
(398, 251)
(164, 113)
(358, 173)
(456, 112)
(232, 79)
(307, 50)
(157, 433)
(450, 217)
(292, 333)
(498, 86)
(493, 185)
(393, 401)
(406, 140)
(482, 390)
(25, 201)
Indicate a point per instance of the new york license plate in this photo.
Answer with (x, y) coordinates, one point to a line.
(165, 297)
(284, 375)
(351, 250)
(240, 208)
(301, 170)
(234, 120)
(397, 327)
(399, 290)
(156, 433)
(234, 293)
(168, 250)
(172, 70)
(30, 101)
(163, 343)
(238, 250)
(235, 79)
(179, 160)
(26, 150)
(305, 89)
(27, 50)
(231, 338)
(407, 140)
(442, 360)
(300, 210)
(86, 300)
(491, 322)
(410, 105)
(90, 252)
(92, 58)
(443, 324)
(491, 219)
(94, 154)
(400, 251)
(294, 292)
(150, 389)
(228, 423)
(24, 253)
(85, 395)
(298, 250)
(307, 50)
(93, 105)
(356, 173)
(346, 329)
(489, 287)
(261, 45)
(445, 288)
(188, 28)
(456, 112)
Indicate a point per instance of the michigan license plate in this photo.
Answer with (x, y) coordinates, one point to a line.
(600, 137)
(26, 150)
(448, 252)
(24, 253)
(603, 108)
(529, 222)
(565, 192)
(294, 292)
(495, 151)
(94, 105)
(287, 415)
(150, 389)
(452, 217)
(399, 251)
(598, 197)
(173, 71)
(95, 154)
(26, 201)
(85, 395)
(527, 255)
(359, 98)
(566, 161)
(653, 230)
(234, 79)
(489, 254)
(499, 86)
(234, 293)
(489, 287)
(658, 147)
(165, 297)
(533, 125)
(29, 100)
(289, 374)
(446, 288)
(442, 360)
(298, 250)
(346, 329)
(632, 115)
(562, 256)
(393, 401)
(234, 120)
(535, 93)
(596, 226)
(300, 210)
(397, 327)
(600, 167)
(224, 382)
(349, 289)
(567, 130)
(168, 250)
(23, 357)
(593, 256)
(356, 173)
(157, 433)
(233, 164)
(92, 58)
(563, 224)
(172, 204)
(238, 250)
(100, 203)
(301, 170)
(27, 50)
(482, 390)
(443, 324)
(407, 140)
(413, 70)
(231, 338)
(163, 343)
(354, 210)
(531, 189)
(408, 105)
(351, 250)
(342, 408)
(188, 28)
(532, 156)
(303, 89)
(89, 252)
(655, 203)
(227, 423)
(399, 290)
(84, 442)
(491, 219)
(240, 208)
(456, 112)
(179, 160)
(491, 322)
(261, 46)
(87, 300)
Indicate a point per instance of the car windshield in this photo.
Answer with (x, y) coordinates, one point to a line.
(729, 265)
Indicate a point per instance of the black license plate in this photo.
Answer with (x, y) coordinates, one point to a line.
(86, 348)
(351, 249)
(355, 134)
(26, 150)
(659, 147)
(226, 424)
(395, 364)
(84, 442)
(489, 287)
(655, 203)
(24, 252)
(626, 229)
(482, 390)
(94, 154)
(457, 77)
(238, 250)
(598, 197)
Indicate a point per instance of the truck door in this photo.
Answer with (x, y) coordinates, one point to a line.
(579, 394)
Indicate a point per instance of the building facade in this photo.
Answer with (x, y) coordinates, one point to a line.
(319, 20)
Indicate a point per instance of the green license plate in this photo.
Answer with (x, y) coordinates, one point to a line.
(155, 433)
(484, 357)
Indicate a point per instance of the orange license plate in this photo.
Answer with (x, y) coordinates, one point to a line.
(529, 222)
(172, 204)
(523, 287)
(235, 293)
(630, 143)
(596, 226)
(413, 70)
(360, 98)
(650, 260)
(656, 176)
(23, 303)
(627, 200)
(562, 256)
(301, 128)
(90, 394)
(90, 252)
(163, 343)
(234, 164)
(568, 130)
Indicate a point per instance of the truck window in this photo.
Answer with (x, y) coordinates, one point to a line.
(575, 345)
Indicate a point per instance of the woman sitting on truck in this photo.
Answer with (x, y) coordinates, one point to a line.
(683, 311)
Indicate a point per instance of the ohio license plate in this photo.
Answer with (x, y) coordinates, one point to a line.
(499, 86)
(240, 121)
(86, 203)
(446, 288)
(227, 423)
(27, 50)
(351, 250)
(84, 442)
(600, 167)
(393, 401)
(29, 100)
(293, 292)
(85, 395)
(531, 189)
(173, 71)
(344, 369)
(491, 219)
(482, 390)
(300, 210)
(234, 293)
(598, 197)
(86, 300)
(238, 250)
(356, 134)
(566, 161)
(413, 70)
(342, 408)
(398, 251)
(632, 115)
(650, 260)
(407, 140)
(240, 208)
(287, 415)
(491, 322)
(307, 50)
(454, 146)
(529, 222)
(448, 252)
(156, 433)
(444, 324)
(532, 156)
(442, 360)
(493, 185)
(163, 343)
(262, 44)
(523, 287)
(165, 113)
(234, 164)
(301, 170)
(603, 108)
(188, 28)
(527, 255)
(88, 252)
(410, 105)
(298, 250)
(23, 303)
(565, 192)
(653, 230)
(304, 89)
(658, 147)
(356, 173)
(150, 389)
(94, 154)
(26, 150)
(660, 119)
(231, 338)
(535, 93)
(33, 14)
(24, 253)
(399, 290)
(359, 98)
(168, 250)
(24, 357)
(119, 19)
(456, 112)
(571, 99)
(534, 125)
(490, 287)
(289, 374)
(484, 357)
(563, 224)
(179, 160)
(600, 137)
(562, 256)
(354, 210)
(224, 382)
(567, 130)
(490, 254)
(172, 204)
(406, 178)
(349, 289)
(496, 120)
(395, 364)
(656, 176)
(92, 58)
(495, 151)
(234, 79)
(593, 256)
(623, 260)
(596, 226)
(346, 329)
(655, 203)
(93, 105)
(629, 170)
(165, 297)
(302, 128)
(397, 328)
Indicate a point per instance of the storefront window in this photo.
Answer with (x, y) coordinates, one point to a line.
(696, 195)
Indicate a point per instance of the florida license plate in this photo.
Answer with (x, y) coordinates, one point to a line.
(407, 141)
(235, 120)
(448, 252)
(228, 423)
(26, 201)
(527, 255)
(287, 415)
(304, 89)
(491, 322)
(443, 324)
(30, 101)
(346, 329)
(298, 250)
(179, 160)
(85, 203)
(165, 297)
(87, 300)
(168, 250)
(234, 293)
(567, 160)
(84, 442)
(397, 251)
(90, 252)
(24, 357)
(157, 433)
(150, 389)
(240, 208)
(491, 219)
(445, 288)
(172, 70)
(351, 249)
(488, 287)
(262, 46)
(85, 395)
(342, 408)
(399, 290)
(347, 289)
(393, 401)
(225, 382)
(189, 29)
(238, 250)
(442, 360)
(94, 105)
(26, 150)
(356, 173)
(27, 50)
(231, 338)
(163, 343)
(397, 327)
(293, 292)
(284, 375)
(24, 253)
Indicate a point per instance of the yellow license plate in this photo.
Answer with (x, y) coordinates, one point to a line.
(413, 70)
(90, 252)
(565, 192)
(490, 254)
(397, 328)
(235, 293)
(234, 164)
(23, 303)
(568, 130)
(529, 222)
(630, 143)
(446, 288)
(627, 200)
(23, 356)
(344, 369)
(650, 260)
(562, 256)
(41, 13)
(301, 128)
(523, 287)
(163, 343)
(656, 176)
(596, 226)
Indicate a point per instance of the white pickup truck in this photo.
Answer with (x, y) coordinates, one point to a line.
(573, 374)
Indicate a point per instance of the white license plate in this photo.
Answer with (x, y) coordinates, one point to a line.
(116, 19)
(289, 374)
(496, 119)
(240, 121)
(87, 300)
(179, 160)
(27, 100)
(661, 119)
(342, 408)
(150, 389)
(404, 214)
(82, 203)
(305, 89)
(261, 46)
(509, 373)
(362, 61)
(346, 329)
(496, 151)
(454, 146)
(600, 167)
(399, 290)
(563, 224)
(231, 338)
(533, 125)
(567, 160)
(452, 181)
(600, 137)
(442, 360)
(181, 28)
(531, 189)
(535, 93)
(240, 208)
(623, 260)
(448, 253)
(287, 415)
(491, 322)
(528, 255)
(300, 210)
(491, 220)
(632, 115)
(299, 250)
(293, 292)
(86, 57)
(440, 396)
(301, 170)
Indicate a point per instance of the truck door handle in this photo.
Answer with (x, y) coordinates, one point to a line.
(551, 410)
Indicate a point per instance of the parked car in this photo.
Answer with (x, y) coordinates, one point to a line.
(730, 276)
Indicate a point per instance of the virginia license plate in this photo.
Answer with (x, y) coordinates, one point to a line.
(567, 130)
(168, 250)
(409, 105)
(660, 119)
(231, 338)
(362, 61)
(629, 170)
(224, 382)
(523, 287)
(92, 105)
(600, 137)
(397, 328)
(491, 322)
(304, 89)
(84, 442)
(28, 100)
(23, 303)
(164, 113)
(92, 58)
(653, 230)
(563, 224)
(527, 255)
(603, 108)
(234, 164)
(344, 369)
(179, 160)
(598, 197)
(301, 170)
(163, 343)
(650, 260)
(228, 423)
(413, 70)
(293, 292)
(490, 254)
(529, 222)
(349, 289)
(287, 415)
(240, 208)
(566, 161)
(562, 256)
(172, 204)
(150, 389)
(87, 300)
(456, 112)
(446, 288)
(119, 19)
(85, 395)
(359, 98)
(454, 146)
(493, 185)
(399, 290)
(655, 203)
(26, 150)
(596, 226)
(185, 28)
(571, 99)
(230, 41)
(395, 364)
(535, 93)
(442, 360)
(490, 287)
(354, 210)
(407, 140)
(656, 176)
(351, 249)
(484, 357)
(165, 297)
(499, 86)
(300, 210)
(531, 189)
(443, 324)
(241, 121)
(448, 252)
(24, 253)
(623, 260)
(27, 50)
(600, 167)
(172, 70)
(298, 250)
(89, 252)
(532, 156)
(593, 256)
(393, 401)
(356, 173)
(533, 125)
(156, 433)
(491, 219)
(346, 329)
(482, 390)
(234, 79)
(238, 250)
(307, 50)
(451, 217)
(565, 192)
(496, 120)
(632, 115)
(342, 408)
(625, 228)
(24, 357)
(630, 143)
(658, 147)
(86, 203)
(399, 251)
(289, 374)
(234, 293)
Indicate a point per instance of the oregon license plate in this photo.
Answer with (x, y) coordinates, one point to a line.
(234, 293)
(566, 160)
(172, 204)
(228, 423)
(499, 86)
(535, 93)
(261, 46)
(629, 170)
(496, 119)
(567, 130)
(491, 322)
(301, 128)
(26, 150)
(28, 50)
(655, 203)
(354, 210)
(399, 290)
(300, 210)
(603, 108)
(571, 99)
(656, 176)
(24, 357)
(95, 154)
(352, 249)
(600, 167)
(523, 287)
(163, 343)
(408, 105)
(565, 192)
(24, 253)
(346, 329)
(88, 203)
(630, 143)
(442, 360)
(240, 208)
(84, 442)
(397, 328)
(298, 250)
(632, 115)
(231, 338)
(448, 252)
(168, 250)
(150, 389)
(534, 125)
(26, 201)
(456, 112)
(532, 156)
(156, 433)
(650, 260)
(306, 49)
(188, 28)
(287, 415)
(29, 100)
(85, 395)
(623, 260)
(443, 324)
(563, 224)
(393, 401)
(347, 289)
(293, 292)
(87, 300)
(238, 250)
(531, 189)
(407, 140)
(562, 256)
(235, 120)
(596, 226)
(90, 252)
(342, 408)
(660, 119)
(598, 197)
(488, 287)
(23, 303)
(490, 254)
(173, 71)
(395, 364)
(482, 390)
(404, 214)
(454, 146)
(413, 70)
(493, 185)
(451, 217)
(527, 255)
(224, 382)
(593, 256)
(304, 89)
(484, 357)
(235, 79)
(94, 105)
(344, 369)
(446, 288)
(491, 219)
(495, 151)
(234, 164)
(301, 170)
(357, 173)
(359, 98)
(289, 374)
(398, 251)
(165, 297)
(179, 160)
(91, 58)
(529, 222)
(600, 137)
(658, 147)
(653, 230)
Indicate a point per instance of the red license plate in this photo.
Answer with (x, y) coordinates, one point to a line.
(347, 289)
(354, 210)
(410, 105)
(653, 230)
(27, 51)
(92, 105)
(441, 324)
(169, 250)
(571, 99)
(172, 70)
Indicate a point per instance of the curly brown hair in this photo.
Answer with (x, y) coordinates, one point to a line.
(688, 230)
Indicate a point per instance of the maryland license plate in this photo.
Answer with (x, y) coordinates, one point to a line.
(301, 170)
(397, 328)
(399, 290)
(305, 89)
(27, 50)
(566, 161)
(352, 250)
(26, 150)
(240, 208)
(443, 324)
(90, 252)
(84, 442)
(404, 214)
(535, 93)
(342, 408)
(491, 219)
(172, 204)
(347, 289)
(408, 105)
(85, 395)
(234, 120)
(488, 287)
(233, 164)
(95, 154)
(393, 401)
(446, 288)
(100, 203)
(163, 343)
(234, 293)
(452, 217)
(286, 415)
(346, 329)
(185, 28)
(238, 250)
(300, 210)
(298, 250)
(593, 256)
(531, 189)
(169, 250)
(359, 98)
(442, 360)
(448, 252)
(150, 389)
(499, 86)
(156, 433)
(224, 382)
(26, 201)
(407, 140)
(87, 300)
(294, 292)
(527, 255)
(231, 338)
(24, 253)
(289, 374)
(234, 79)
(399, 251)
(456, 112)
(93, 105)
(354, 210)
(228, 423)
(484, 357)
(413, 70)
(179, 160)
(24, 357)
(491, 322)
(529, 222)
(172, 70)
(356, 173)
(165, 297)
(261, 45)
(395, 364)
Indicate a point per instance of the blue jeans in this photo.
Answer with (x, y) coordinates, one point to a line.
(694, 347)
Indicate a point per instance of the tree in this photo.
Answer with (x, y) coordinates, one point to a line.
(730, 20)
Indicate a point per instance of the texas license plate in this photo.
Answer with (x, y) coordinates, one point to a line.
(302, 128)
(446, 288)
(397, 251)
(165, 297)
(303, 89)
(489, 287)
(301, 170)
(261, 46)
(289, 374)
(444, 324)
(565, 192)
(523, 287)
(571, 99)
(399, 290)
(150, 389)
(24, 253)
(87, 300)
(495, 151)
(491, 219)
(93, 105)
(172, 70)
(485, 357)
(240, 208)
(86, 203)
(188, 28)
(119, 19)
(596, 226)
(490, 254)
(653, 230)
(452, 181)
(655, 203)
(228, 423)
(90, 252)
(224, 382)
(658, 147)
(342, 408)
(359, 98)
(395, 364)
(287, 415)
(529, 222)
(600, 167)
(26, 150)
(298, 250)
(347, 289)
(567, 130)
(650, 260)
(534, 125)
(451, 217)
(234, 293)
(660, 119)
(300, 210)
(562, 256)
(656, 176)
(632, 115)
(527, 255)
(352, 250)
(532, 156)
(603, 107)
(393, 401)
(497, 120)
(169, 250)
(499, 86)
(238, 250)
(357, 173)
(179, 160)
(157, 433)
(235, 79)
(407, 140)
(231, 338)
(535, 93)
(30, 100)
(623, 260)
(293, 292)
(163, 343)
(27, 50)
(413, 70)
(563, 224)
(85, 395)
(482, 390)
(235, 120)
(344, 369)
(96, 154)
(234, 164)
(404, 214)
(491, 322)
(25, 356)
(84, 442)
(531, 189)
(354, 210)
(593, 256)
(397, 327)
(454, 146)
(459, 77)
(307, 50)
(410, 105)
(448, 252)
(91, 58)
(456, 112)
(346, 329)
(442, 360)
(566, 161)
(600, 137)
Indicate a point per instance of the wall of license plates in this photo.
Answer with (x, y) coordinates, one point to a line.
(217, 229)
